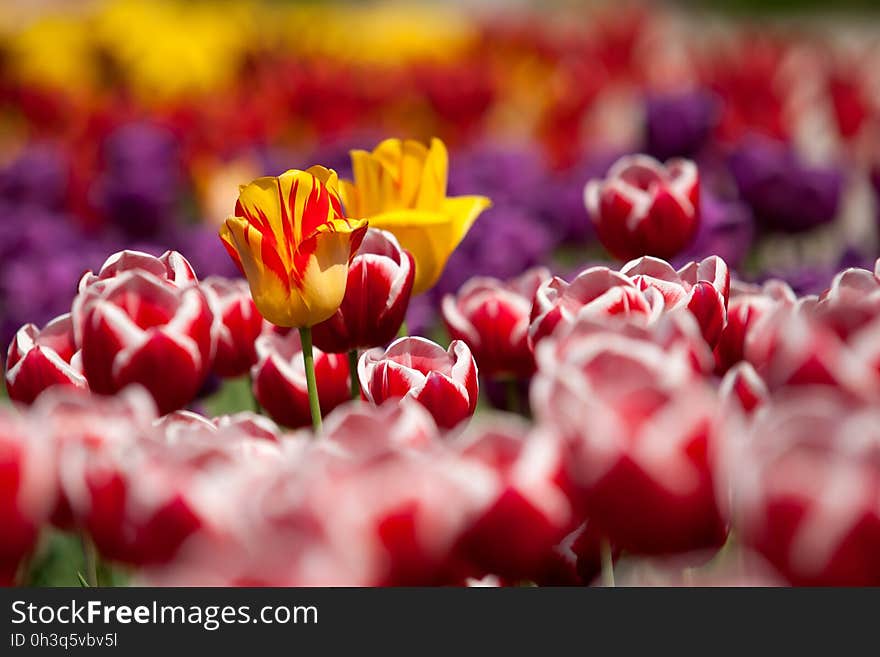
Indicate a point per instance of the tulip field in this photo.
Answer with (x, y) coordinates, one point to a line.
(429, 294)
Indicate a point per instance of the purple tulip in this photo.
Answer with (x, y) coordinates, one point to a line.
(784, 192)
(37, 177)
(142, 180)
(679, 124)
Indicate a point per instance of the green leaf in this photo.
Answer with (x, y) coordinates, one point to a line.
(233, 396)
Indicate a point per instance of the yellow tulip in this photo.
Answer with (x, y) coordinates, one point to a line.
(291, 240)
(401, 187)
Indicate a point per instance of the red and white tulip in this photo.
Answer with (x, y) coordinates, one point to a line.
(442, 380)
(39, 359)
(380, 281)
(637, 417)
(701, 287)
(239, 325)
(597, 292)
(28, 489)
(492, 318)
(643, 207)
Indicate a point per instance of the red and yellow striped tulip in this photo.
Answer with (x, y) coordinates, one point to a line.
(401, 187)
(292, 241)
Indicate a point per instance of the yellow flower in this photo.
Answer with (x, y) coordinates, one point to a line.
(291, 240)
(401, 187)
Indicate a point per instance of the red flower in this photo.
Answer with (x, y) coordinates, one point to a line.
(380, 280)
(361, 428)
(743, 385)
(637, 418)
(676, 333)
(170, 267)
(27, 490)
(805, 483)
(244, 426)
(138, 500)
(41, 359)
(703, 288)
(530, 511)
(747, 304)
(240, 323)
(280, 379)
(76, 421)
(829, 341)
(443, 381)
(596, 292)
(492, 318)
(643, 207)
(135, 327)
(401, 513)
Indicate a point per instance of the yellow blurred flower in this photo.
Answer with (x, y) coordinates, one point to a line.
(292, 241)
(379, 33)
(170, 48)
(54, 51)
(401, 187)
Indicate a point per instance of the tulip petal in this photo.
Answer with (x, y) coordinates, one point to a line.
(266, 274)
(325, 275)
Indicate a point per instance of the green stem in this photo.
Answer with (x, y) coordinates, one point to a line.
(305, 335)
(256, 404)
(353, 373)
(607, 564)
(90, 556)
(403, 331)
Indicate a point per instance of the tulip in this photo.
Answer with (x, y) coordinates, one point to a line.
(93, 435)
(171, 267)
(179, 426)
(136, 328)
(291, 240)
(27, 489)
(492, 318)
(784, 192)
(279, 379)
(530, 513)
(676, 333)
(747, 304)
(678, 124)
(703, 288)
(596, 292)
(401, 513)
(828, 341)
(380, 280)
(401, 187)
(238, 328)
(643, 207)
(804, 479)
(139, 502)
(637, 419)
(443, 381)
(744, 386)
(42, 359)
(362, 428)
(73, 420)
(791, 347)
